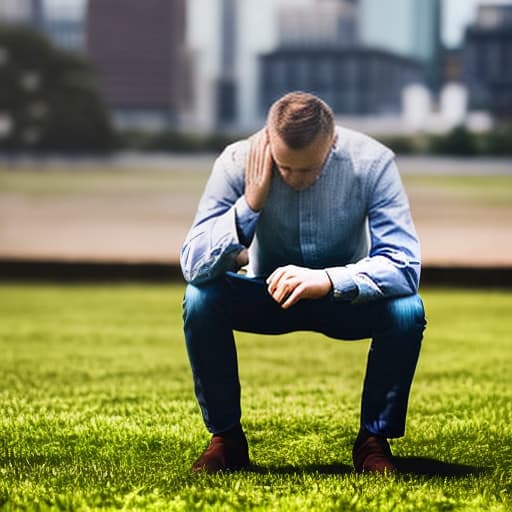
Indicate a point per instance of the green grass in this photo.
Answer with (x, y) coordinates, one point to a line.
(97, 409)
(486, 190)
(53, 181)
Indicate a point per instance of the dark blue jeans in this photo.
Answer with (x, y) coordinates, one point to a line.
(212, 311)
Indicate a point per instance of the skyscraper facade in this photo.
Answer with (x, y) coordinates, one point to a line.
(353, 81)
(138, 51)
(411, 28)
(319, 51)
(226, 89)
(224, 39)
(487, 57)
(324, 23)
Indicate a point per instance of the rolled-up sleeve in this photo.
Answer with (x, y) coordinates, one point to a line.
(392, 267)
(224, 225)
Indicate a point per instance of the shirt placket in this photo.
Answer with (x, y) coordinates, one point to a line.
(307, 227)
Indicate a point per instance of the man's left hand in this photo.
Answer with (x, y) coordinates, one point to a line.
(287, 285)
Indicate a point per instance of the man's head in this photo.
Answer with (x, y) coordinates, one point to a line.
(301, 133)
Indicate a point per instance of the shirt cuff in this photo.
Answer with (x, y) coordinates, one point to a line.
(246, 221)
(343, 285)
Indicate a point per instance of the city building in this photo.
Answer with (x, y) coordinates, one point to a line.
(226, 89)
(227, 37)
(224, 39)
(322, 23)
(488, 60)
(353, 81)
(411, 28)
(138, 51)
(320, 50)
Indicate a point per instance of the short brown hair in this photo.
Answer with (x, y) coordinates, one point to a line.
(298, 117)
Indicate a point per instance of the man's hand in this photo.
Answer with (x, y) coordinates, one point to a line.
(289, 284)
(258, 173)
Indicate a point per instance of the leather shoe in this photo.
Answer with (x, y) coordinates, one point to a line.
(372, 453)
(226, 452)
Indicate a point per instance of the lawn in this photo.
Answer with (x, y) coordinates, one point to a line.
(144, 213)
(97, 409)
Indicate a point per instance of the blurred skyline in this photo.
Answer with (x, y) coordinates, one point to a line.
(208, 66)
(457, 14)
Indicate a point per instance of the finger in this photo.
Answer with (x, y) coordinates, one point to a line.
(273, 280)
(254, 141)
(272, 276)
(294, 297)
(280, 272)
(257, 162)
(267, 164)
(252, 169)
(250, 160)
(280, 294)
(285, 288)
(261, 156)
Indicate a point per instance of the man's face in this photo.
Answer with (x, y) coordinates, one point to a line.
(300, 168)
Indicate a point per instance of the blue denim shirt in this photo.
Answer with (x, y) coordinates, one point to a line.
(354, 222)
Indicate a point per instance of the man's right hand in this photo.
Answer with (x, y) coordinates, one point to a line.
(258, 172)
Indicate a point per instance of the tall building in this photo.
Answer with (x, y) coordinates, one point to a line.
(488, 60)
(227, 91)
(227, 37)
(224, 39)
(411, 28)
(319, 51)
(353, 81)
(323, 23)
(138, 51)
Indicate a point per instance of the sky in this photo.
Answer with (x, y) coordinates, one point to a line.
(456, 15)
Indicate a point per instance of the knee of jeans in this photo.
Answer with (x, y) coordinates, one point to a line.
(405, 315)
(202, 299)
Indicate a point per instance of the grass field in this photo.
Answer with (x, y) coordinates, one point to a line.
(104, 212)
(97, 409)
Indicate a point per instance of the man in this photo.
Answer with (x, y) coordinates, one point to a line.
(319, 215)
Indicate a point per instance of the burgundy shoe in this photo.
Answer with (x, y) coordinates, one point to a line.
(372, 454)
(224, 453)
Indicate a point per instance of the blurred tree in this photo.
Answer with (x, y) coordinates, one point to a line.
(459, 141)
(180, 142)
(400, 144)
(499, 141)
(48, 98)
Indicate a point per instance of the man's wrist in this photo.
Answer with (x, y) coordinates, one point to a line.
(341, 289)
(254, 207)
(331, 288)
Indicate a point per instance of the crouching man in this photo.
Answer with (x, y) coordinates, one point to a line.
(319, 216)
